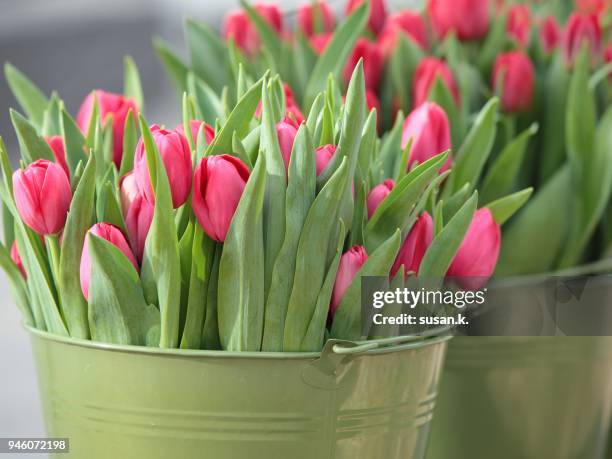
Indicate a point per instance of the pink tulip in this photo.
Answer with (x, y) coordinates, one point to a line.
(218, 185)
(410, 23)
(194, 125)
(581, 28)
(138, 219)
(111, 106)
(518, 25)
(476, 259)
(286, 132)
(128, 191)
(550, 34)
(320, 41)
(469, 19)
(428, 127)
(350, 264)
(592, 6)
(56, 143)
(378, 195)
(324, 154)
(425, 75)
(316, 17)
(111, 234)
(238, 26)
(176, 156)
(378, 13)
(373, 62)
(17, 259)
(516, 75)
(42, 196)
(416, 244)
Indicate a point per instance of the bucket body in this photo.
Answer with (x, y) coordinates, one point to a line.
(130, 402)
(524, 397)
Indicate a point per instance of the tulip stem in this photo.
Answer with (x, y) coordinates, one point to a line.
(53, 252)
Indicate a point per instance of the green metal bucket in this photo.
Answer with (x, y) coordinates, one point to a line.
(524, 397)
(369, 401)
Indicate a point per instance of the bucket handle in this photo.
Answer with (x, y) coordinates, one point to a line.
(342, 347)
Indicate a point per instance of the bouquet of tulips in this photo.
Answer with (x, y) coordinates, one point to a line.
(551, 131)
(243, 228)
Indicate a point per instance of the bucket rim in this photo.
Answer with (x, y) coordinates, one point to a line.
(369, 347)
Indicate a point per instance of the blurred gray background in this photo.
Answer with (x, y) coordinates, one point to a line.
(74, 46)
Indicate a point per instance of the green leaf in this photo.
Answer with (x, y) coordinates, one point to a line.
(17, 284)
(391, 147)
(33, 146)
(30, 97)
(441, 95)
(276, 185)
(118, 312)
(202, 253)
(210, 331)
(476, 148)
(130, 140)
(80, 218)
(300, 196)
(108, 207)
(310, 271)
(74, 142)
(241, 287)
(335, 55)
(238, 121)
(315, 335)
(161, 273)
(542, 224)
(445, 245)
(207, 53)
(132, 87)
(402, 66)
(502, 175)
(504, 208)
(175, 67)
(347, 319)
(207, 100)
(52, 116)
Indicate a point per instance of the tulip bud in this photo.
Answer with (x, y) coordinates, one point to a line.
(324, 154)
(176, 156)
(425, 75)
(286, 133)
(17, 259)
(410, 23)
(428, 127)
(469, 19)
(194, 125)
(128, 191)
(111, 106)
(516, 75)
(56, 142)
(581, 28)
(350, 264)
(518, 25)
(315, 17)
(238, 26)
(42, 196)
(416, 244)
(218, 185)
(378, 13)
(477, 256)
(378, 195)
(373, 62)
(111, 234)
(319, 42)
(550, 34)
(138, 219)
